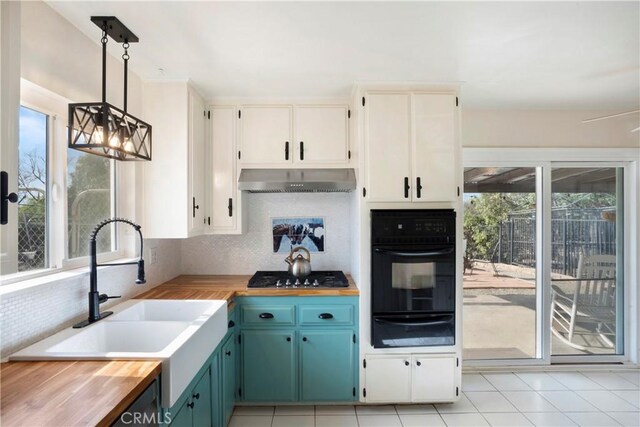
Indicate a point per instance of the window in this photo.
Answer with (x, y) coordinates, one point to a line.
(62, 193)
(89, 200)
(33, 190)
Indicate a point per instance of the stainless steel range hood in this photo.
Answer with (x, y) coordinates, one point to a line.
(297, 180)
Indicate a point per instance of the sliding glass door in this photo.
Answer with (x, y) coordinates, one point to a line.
(500, 285)
(543, 264)
(587, 261)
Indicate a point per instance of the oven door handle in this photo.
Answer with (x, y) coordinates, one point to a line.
(441, 321)
(446, 251)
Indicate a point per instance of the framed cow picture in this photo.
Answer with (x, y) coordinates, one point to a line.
(291, 232)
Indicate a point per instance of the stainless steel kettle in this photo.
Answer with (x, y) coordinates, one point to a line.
(299, 266)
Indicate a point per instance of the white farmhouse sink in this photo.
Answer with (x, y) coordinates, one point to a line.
(180, 333)
(167, 310)
(119, 338)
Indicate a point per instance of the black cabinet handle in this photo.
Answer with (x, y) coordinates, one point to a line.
(419, 363)
(301, 150)
(406, 187)
(190, 405)
(325, 316)
(289, 339)
(196, 396)
(406, 363)
(195, 207)
(286, 150)
(304, 339)
(266, 316)
(5, 197)
(230, 206)
(228, 353)
(418, 188)
(231, 324)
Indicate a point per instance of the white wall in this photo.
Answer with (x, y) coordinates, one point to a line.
(244, 254)
(547, 128)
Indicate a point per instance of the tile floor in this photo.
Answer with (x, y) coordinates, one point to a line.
(491, 399)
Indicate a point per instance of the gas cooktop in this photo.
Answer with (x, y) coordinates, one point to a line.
(284, 280)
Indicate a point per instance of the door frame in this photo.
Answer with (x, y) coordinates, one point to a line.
(546, 159)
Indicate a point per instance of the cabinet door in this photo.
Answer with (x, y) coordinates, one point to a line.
(197, 159)
(201, 399)
(228, 379)
(327, 365)
(388, 378)
(223, 160)
(434, 148)
(268, 366)
(321, 134)
(434, 378)
(184, 416)
(265, 135)
(388, 141)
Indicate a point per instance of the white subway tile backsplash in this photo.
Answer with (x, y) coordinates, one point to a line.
(252, 251)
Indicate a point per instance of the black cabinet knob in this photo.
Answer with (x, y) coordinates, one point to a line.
(406, 363)
(418, 363)
(196, 396)
(304, 339)
(325, 316)
(231, 324)
(228, 353)
(289, 339)
(266, 316)
(190, 405)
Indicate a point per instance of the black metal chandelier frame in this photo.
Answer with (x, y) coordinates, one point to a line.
(101, 128)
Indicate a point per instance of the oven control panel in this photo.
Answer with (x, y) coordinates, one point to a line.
(413, 226)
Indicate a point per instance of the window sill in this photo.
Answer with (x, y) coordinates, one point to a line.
(48, 278)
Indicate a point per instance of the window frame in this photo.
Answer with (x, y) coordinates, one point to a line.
(55, 106)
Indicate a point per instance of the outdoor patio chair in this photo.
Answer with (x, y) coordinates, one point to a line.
(589, 300)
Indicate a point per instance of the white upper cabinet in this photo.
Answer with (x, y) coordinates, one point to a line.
(225, 199)
(322, 134)
(434, 149)
(197, 158)
(411, 147)
(266, 135)
(174, 180)
(388, 144)
(287, 135)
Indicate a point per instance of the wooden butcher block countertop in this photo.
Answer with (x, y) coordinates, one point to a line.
(71, 393)
(228, 287)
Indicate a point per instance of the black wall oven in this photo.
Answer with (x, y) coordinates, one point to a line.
(413, 277)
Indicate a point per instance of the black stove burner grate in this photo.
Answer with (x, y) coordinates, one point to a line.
(284, 280)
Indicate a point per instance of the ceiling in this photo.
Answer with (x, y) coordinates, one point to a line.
(539, 55)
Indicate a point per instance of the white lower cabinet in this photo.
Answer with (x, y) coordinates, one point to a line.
(414, 378)
(433, 378)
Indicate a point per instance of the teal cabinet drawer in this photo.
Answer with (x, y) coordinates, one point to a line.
(268, 315)
(326, 315)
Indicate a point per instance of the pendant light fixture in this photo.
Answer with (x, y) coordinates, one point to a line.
(101, 128)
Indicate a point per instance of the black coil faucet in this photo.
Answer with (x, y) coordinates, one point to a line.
(95, 298)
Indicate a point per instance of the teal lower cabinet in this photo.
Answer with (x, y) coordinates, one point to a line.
(196, 409)
(298, 349)
(228, 357)
(327, 365)
(268, 366)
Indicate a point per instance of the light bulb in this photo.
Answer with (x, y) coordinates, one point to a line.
(114, 142)
(128, 145)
